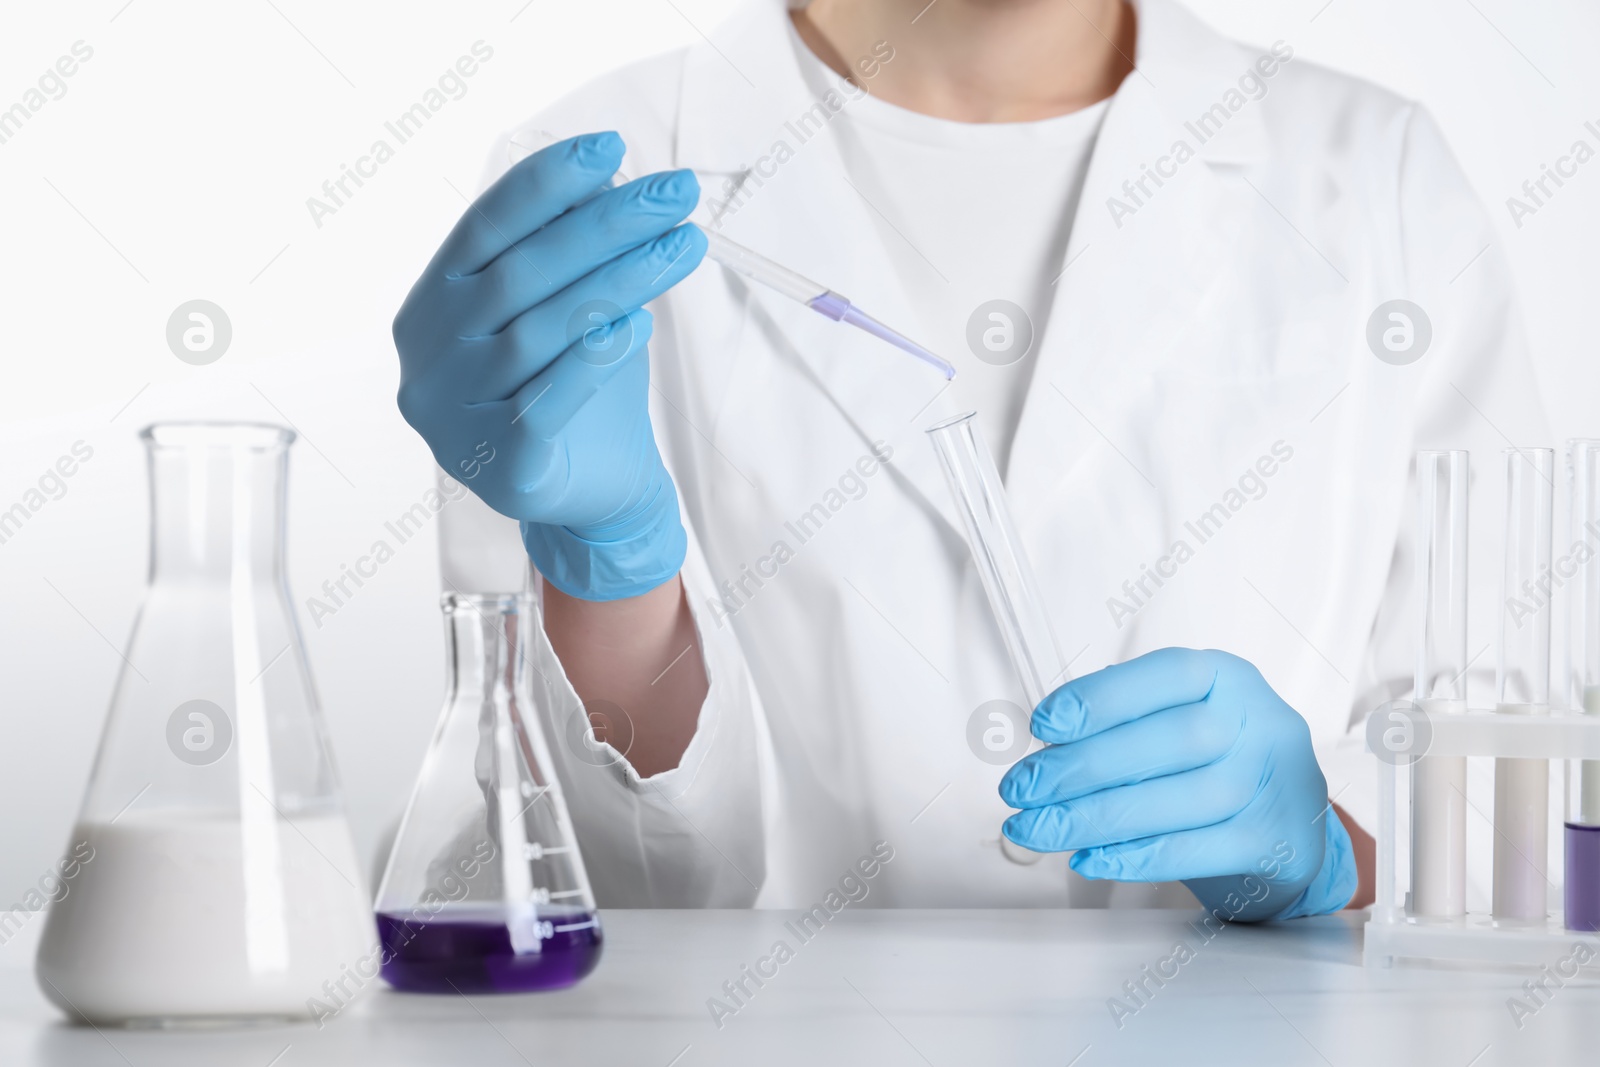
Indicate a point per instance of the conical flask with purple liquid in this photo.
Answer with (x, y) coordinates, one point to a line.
(485, 890)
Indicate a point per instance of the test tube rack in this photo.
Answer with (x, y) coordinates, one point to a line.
(1429, 753)
(1392, 932)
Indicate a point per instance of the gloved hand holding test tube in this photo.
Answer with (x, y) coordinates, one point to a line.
(778, 278)
(1178, 765)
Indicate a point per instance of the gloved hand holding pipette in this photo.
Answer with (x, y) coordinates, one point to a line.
(522, 354)
(1183, 765)
(780, 279)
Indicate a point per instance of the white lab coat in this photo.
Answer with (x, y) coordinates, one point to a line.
(1222, 321)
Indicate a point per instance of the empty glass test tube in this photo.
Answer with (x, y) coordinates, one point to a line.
(1008, 580)
(1439, 783)
(1581, 844)
(1522, 786)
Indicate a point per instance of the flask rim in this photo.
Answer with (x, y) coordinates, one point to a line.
(258, 436)
(501, 603)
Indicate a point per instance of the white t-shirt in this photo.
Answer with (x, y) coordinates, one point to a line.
(970, 213)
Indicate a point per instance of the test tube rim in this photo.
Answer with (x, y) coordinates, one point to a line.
(952, 422)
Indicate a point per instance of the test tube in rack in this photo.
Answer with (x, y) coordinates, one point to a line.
(1439, 783)
(1581, 829)
(1522, 683)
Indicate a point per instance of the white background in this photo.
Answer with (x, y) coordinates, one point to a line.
(178, 164)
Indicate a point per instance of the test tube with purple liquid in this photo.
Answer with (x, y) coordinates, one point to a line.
(1581, 882)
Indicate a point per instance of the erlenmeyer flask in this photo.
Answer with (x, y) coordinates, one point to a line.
(485, 890)
(221, 880)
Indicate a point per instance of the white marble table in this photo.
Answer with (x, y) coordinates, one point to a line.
(892, 988)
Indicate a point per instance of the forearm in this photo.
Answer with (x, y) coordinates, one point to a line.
(640, 654)
(1366, 855)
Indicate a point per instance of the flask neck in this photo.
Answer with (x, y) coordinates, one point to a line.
(484, 634)
(216, 512)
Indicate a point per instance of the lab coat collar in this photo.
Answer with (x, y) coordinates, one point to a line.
(1189, 68)
(742, 91)
(745, 75)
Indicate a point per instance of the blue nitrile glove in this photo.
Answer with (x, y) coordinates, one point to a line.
(1185, 766)
(522, 361)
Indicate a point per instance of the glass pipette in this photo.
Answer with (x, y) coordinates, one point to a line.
(818, 298)
(780, 279)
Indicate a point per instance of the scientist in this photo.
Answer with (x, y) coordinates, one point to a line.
(1206, 298)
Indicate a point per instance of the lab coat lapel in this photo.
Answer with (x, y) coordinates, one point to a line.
(775, 181)
(1131, 278)
(1142, 260)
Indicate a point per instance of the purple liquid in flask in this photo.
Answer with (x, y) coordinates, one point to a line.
(473, 950)
(485, 889)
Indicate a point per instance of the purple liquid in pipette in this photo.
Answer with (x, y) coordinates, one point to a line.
(839, 309)
(473, 953)
(1582, 877)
